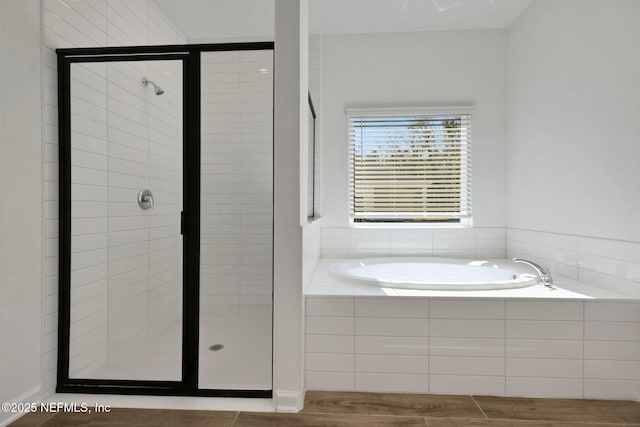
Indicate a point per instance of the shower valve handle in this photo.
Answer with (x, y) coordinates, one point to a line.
(145, 199)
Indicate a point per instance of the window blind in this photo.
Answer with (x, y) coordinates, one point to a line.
(408, 168)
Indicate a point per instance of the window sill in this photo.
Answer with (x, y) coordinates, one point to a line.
(409, 226)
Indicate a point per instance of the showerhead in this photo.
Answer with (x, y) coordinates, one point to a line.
(157, 89)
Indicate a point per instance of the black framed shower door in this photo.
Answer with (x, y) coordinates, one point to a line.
(189, 59)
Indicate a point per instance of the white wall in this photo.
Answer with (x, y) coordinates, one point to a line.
(291, 134)
(573, 118)
(220, 21)
(20, 202)
(99, 23)
(407, 69)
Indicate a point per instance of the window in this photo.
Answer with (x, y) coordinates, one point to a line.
(410, 167)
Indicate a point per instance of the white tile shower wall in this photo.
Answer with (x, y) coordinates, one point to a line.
(344, 242)
(144, 151)
(101, 23)
(499, 347)
(132, 284)
(89, 117)
(606, 263)
(237, 180)
(165, 178)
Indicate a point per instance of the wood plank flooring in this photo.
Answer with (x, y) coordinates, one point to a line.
(328, 409)
(391, 404)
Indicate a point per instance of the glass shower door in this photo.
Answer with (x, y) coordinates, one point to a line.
(126, 199)
(236, 225)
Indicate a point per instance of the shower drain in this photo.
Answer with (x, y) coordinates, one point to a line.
(216, 347)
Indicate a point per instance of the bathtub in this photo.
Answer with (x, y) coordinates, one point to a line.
(371, 328)
(430, 273)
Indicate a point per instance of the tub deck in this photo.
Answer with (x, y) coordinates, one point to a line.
(324, 282)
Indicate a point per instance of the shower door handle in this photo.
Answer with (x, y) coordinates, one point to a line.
(182, 222)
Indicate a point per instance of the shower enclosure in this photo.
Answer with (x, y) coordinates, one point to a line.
(166, 213)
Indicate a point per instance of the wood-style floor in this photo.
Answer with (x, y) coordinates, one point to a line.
(327, 409)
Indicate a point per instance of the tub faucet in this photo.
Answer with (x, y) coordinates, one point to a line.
(544, 275)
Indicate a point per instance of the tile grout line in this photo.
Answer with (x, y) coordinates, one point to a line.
(584, 327)
(428, 306)
(504, 343)
(478, 405)
(353, 348)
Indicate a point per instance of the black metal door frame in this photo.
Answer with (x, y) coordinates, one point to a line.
(190, 57)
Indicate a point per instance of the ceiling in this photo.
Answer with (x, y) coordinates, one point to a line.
(202, 20)
(381, 16)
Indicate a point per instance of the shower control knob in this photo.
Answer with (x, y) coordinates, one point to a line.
(145, 199)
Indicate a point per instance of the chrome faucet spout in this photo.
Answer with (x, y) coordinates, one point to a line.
(543, 274)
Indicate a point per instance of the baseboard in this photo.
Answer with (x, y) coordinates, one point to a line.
(288, 401)
(30, 396)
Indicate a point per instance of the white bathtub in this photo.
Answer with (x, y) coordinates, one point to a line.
(437, 273)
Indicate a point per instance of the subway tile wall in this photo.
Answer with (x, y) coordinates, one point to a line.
(237, 181)
(89, 281)
(608, 264)
(501, 347)
(345, 242)
(113, 140)
(126, 261)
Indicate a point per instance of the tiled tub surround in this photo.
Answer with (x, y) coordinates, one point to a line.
(606, 263)
(583, 344)
(345, 242)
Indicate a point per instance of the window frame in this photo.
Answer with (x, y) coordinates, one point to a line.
(351, 112)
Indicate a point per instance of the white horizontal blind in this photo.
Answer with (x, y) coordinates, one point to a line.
(410, 167)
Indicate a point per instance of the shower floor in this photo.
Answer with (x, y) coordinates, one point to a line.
(244, 362)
